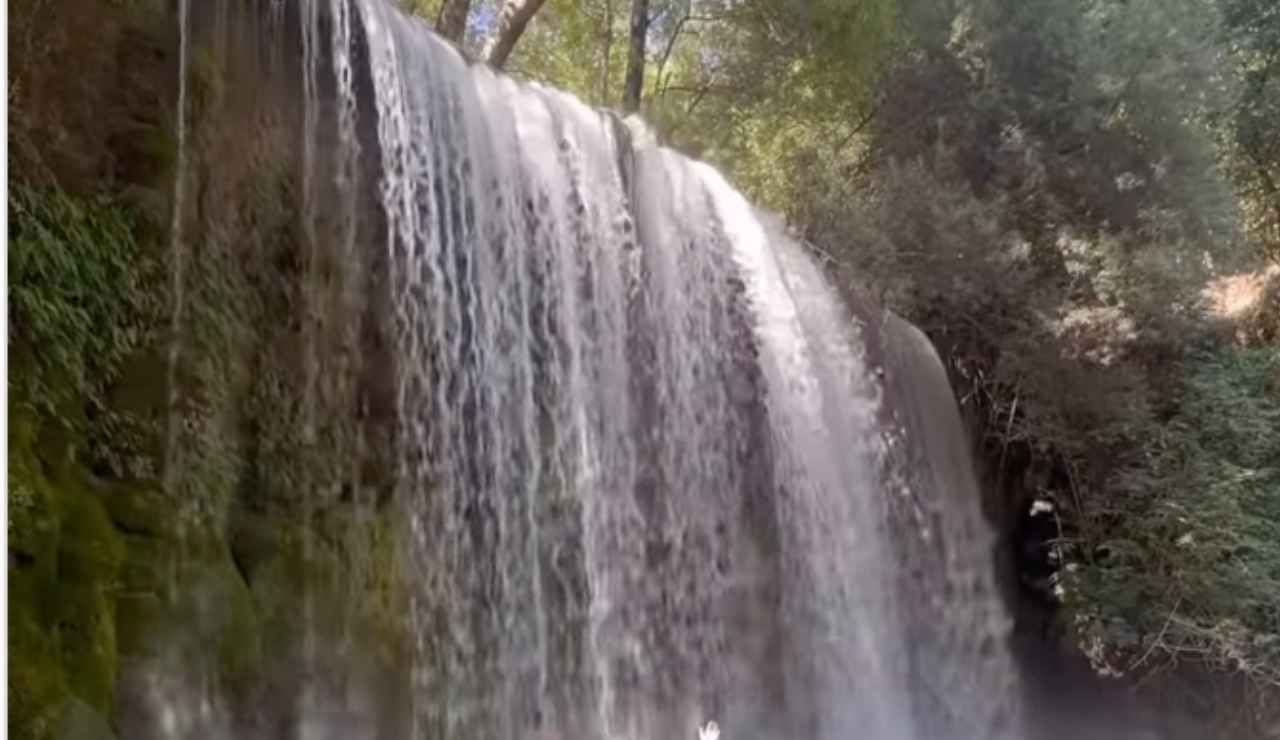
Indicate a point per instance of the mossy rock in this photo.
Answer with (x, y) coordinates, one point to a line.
(213, 610)
(79, 721)
(148, 564)
(138, 508)
(193, 600)
(90, 553)
(57, 446)
(137, 615)
(142, 388)
(254, 540)
(143, 602)
(62, 606)
(238, 638)
(33, 512)
(37, 682)
(34, 521)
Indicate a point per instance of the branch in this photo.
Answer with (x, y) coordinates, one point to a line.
(1159, 641)
(858, 128)
(512, 21)
(701, 89)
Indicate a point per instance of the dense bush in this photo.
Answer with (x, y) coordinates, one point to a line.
(1187, 566)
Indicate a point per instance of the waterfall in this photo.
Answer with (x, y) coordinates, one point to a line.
(177, 250)
(590, 333)
(653, 467)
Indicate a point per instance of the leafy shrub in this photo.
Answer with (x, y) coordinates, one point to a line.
(1191, 570)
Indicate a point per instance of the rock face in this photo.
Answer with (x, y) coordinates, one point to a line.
(157, 610)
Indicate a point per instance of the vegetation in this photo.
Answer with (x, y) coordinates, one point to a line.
(75, 269)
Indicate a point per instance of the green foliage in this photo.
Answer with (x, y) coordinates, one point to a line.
(77, 302)
(773, 91)
(1191, 564)
(1251, 33)
(1040, 192)
(577, 46)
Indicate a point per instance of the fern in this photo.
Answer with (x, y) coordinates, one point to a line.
(76, 304)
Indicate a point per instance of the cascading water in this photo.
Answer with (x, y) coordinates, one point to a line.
(648, 462)
(587, 344)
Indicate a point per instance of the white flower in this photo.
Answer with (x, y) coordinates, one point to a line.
(710, 732)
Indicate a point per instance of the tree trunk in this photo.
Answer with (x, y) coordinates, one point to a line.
(635, 55)
(514, 18)
(608, 52)
(452, 20)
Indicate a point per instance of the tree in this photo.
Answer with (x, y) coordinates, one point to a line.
(606, 49)
(451, 19)
(1251, 32)
(636, 55)
(512, 22)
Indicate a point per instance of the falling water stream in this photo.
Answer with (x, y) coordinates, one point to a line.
(646, 455)
(177, 248)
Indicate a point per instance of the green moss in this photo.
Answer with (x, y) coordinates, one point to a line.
(90, 553)
(138, 508)
(207, 85)
(237, 632)
(254, 540)
(157, 153)
(79, 721)
(37, 681)
(367, 591)
(386, 600)
(64, 563)
(33, 518)
(138, 613)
